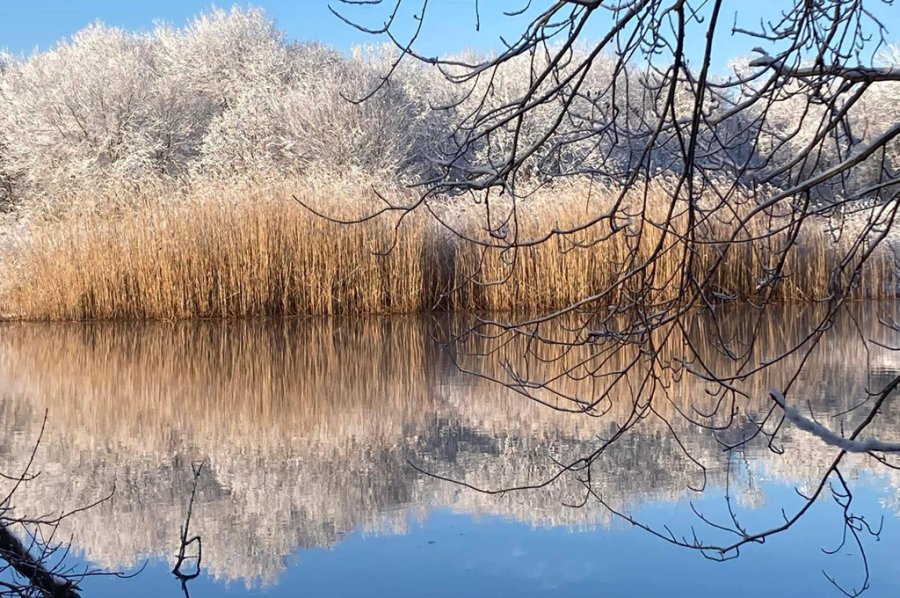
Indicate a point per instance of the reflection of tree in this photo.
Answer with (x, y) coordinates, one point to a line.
(32, 560)
(301, 451)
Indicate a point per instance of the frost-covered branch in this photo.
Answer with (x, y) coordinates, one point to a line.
(856, 74)
(828, 436)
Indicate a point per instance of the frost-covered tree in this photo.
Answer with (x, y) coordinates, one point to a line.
(80, 110)
(222, 54)
(6, 61)
(227, 95)
(309, 123)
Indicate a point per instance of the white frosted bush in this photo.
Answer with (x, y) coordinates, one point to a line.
(311, 124)
(80, 110)
(220, 55)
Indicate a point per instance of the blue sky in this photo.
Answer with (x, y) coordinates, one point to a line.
(26, 25)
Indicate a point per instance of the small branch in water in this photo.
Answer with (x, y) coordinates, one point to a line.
(186, 541)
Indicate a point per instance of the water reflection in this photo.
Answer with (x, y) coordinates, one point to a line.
(307, 427)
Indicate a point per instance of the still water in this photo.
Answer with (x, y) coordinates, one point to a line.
(313, 433)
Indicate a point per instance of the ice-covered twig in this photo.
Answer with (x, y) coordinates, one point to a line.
(856, 74)
(829, 437)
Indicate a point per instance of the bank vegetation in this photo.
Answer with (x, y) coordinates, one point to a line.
(184, 172)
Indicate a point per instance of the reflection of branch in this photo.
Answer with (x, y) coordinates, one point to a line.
(186, 541)
(31, 559)
(829, 437)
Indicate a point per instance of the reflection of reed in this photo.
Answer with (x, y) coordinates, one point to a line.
(222, 379)
(307, 426)
(840, 369)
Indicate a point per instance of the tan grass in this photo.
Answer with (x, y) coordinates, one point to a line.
(645, 263)
(215, 253)
(218, 251)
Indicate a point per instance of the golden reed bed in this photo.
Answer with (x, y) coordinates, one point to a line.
(223, 251)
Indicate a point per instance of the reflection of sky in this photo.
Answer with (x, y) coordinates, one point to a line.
(457, 555)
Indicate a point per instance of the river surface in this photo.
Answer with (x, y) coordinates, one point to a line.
(331, 449)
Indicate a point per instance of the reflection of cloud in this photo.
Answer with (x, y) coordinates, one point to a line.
(550, 572)
(307, 426)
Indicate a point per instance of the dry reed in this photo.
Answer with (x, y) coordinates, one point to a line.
(732, 251)
(215, 251)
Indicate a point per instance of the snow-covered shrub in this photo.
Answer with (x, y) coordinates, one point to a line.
(312, 123)
(81, 110)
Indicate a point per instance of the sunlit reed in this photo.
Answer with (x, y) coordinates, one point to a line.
(218, 251)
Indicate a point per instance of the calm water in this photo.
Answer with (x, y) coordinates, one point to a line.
(307, 429)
